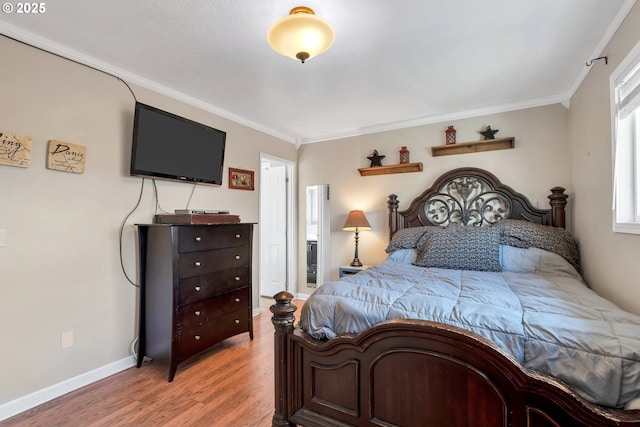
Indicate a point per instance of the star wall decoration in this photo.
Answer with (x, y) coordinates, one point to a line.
(376, 159)
(489, 133)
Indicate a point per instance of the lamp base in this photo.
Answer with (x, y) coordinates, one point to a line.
(356, 263)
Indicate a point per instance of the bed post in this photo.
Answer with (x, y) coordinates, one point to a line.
(558, 201)
(392, 205)
(283, 320)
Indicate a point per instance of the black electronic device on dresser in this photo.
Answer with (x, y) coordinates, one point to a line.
(195, 288)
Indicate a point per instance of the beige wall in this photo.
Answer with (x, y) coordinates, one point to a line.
(539, 162)
(60, 270)
(554, 146)
(610, 260)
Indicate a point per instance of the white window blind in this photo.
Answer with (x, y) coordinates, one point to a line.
(625, 109)
(629, 92)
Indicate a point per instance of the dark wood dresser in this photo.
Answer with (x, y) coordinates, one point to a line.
(195, 288)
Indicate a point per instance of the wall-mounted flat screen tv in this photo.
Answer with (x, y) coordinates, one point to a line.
(168, 146)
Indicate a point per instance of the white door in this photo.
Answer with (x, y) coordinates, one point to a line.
(273, 227)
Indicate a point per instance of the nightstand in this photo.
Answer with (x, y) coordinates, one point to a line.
(347, 270)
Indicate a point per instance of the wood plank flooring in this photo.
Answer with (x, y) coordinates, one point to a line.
(230, 385)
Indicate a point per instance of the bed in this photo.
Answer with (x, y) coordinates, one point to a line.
(441, 335)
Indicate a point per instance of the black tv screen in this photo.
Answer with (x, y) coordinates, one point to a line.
(168, 146)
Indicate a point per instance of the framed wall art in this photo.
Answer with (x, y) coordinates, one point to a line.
(15, 150)
(66, 157)
(240, 179)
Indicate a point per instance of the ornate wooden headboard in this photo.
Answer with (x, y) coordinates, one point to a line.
(473, 196)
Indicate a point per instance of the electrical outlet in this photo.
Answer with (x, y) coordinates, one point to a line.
(66, 340)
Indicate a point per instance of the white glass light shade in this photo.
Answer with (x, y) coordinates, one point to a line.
(301, 35)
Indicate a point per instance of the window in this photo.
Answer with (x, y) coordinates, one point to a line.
(625, 106)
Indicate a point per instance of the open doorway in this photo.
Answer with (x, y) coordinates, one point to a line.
(318, 227)
(277, 226)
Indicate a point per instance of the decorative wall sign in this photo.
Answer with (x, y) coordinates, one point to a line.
(66, 157)
(240, 179)
(15, 150)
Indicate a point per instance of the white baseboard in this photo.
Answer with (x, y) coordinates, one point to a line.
(39, 397)
(9, 409)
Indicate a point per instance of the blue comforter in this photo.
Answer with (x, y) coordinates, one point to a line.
(550, 321)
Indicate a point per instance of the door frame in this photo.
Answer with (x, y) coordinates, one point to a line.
(291, 223)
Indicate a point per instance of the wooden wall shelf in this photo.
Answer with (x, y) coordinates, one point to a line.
(473, 147)
(385, 170)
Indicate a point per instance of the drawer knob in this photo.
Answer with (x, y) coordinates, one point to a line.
(237, 278)
(197, 337)
(237, 299)
(237, 256)
(197, 288)
(197, 263)
(237, 236)
(237, 321)
(198, 313)
(198, 239)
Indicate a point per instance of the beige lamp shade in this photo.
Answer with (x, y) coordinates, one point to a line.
(301, 35)
(356, 221)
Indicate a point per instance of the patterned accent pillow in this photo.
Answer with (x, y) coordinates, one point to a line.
(459, 247)
(407, 238)
(525, 234)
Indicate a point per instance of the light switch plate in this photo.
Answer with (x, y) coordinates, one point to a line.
(3, 237)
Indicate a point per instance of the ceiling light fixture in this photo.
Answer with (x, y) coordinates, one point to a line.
(301, 35)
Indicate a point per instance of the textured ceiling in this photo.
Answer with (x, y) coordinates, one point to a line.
(394, 63)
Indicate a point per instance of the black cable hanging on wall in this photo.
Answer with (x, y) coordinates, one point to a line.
(74, 61)
(122, 225)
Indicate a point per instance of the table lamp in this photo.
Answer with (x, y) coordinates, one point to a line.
(356, 221)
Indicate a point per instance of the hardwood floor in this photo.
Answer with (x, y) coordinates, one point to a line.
(230, 385)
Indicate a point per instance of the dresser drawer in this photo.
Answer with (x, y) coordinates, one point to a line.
(196, 263)
(194, 340)
(205, 286)
(212, 309)
(195, 288)
(191, 239)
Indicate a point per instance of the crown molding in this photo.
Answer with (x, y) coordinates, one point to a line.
(65, 52)
(439, 118)
(602, 44)
(62, 51)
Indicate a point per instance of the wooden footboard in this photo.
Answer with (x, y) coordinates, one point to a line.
(416, 373)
